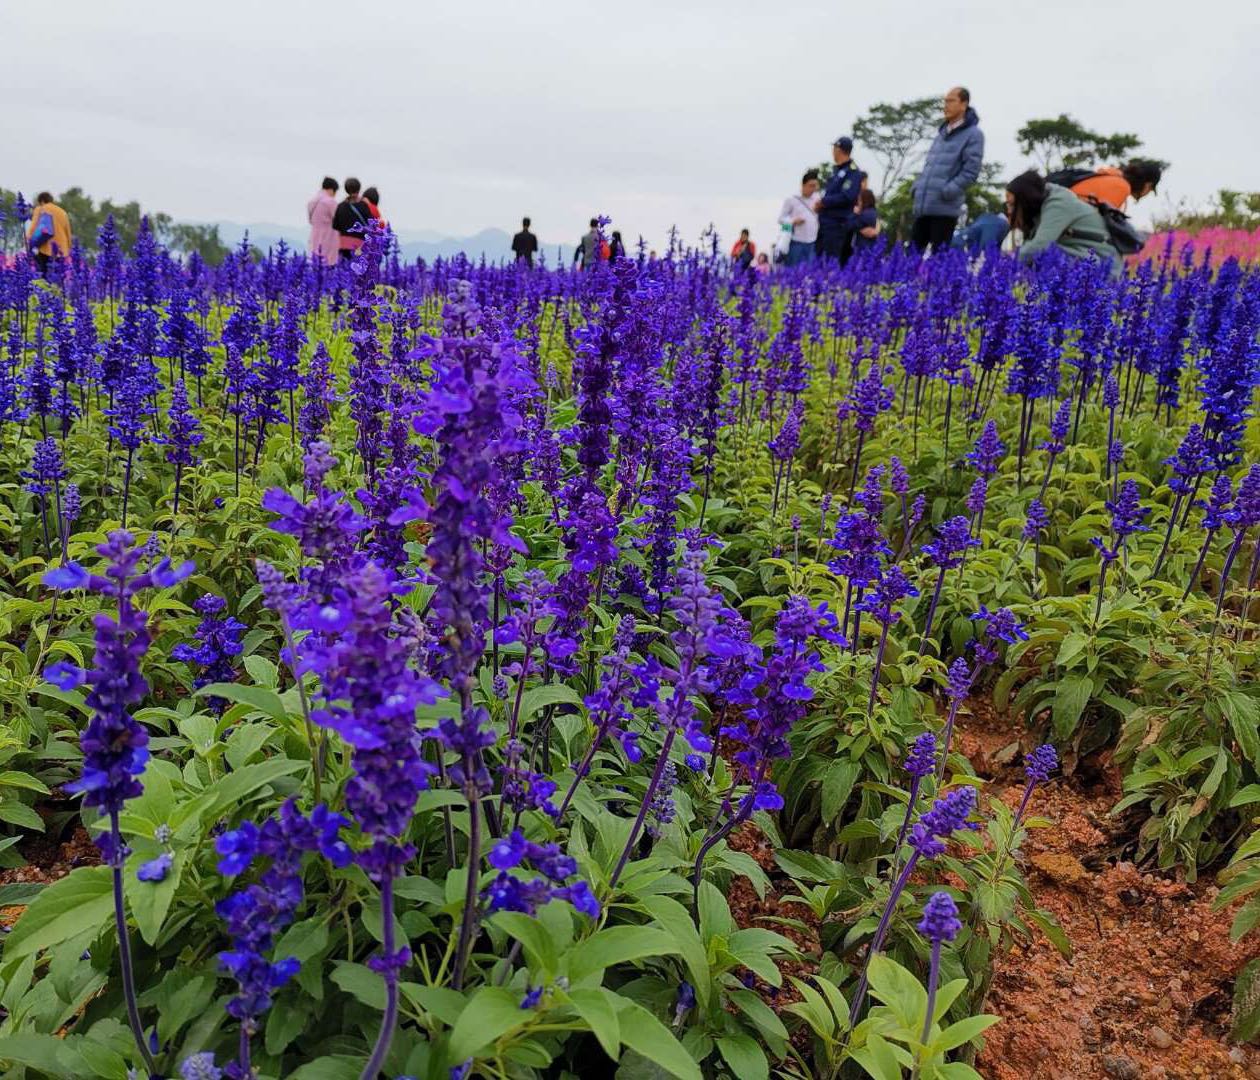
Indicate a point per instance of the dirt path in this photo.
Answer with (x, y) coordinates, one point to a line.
(1146, 995)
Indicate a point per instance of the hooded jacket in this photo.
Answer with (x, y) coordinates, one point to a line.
(1074, 227)
(952, 165)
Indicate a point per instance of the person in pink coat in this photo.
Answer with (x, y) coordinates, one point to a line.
(319, 212)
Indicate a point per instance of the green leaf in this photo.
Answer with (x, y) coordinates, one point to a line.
(898, 989)
(643, 1032)
(361, 982)
(1070, 698)
(746, 1059)
(150, 900)
(1244, 719)
(598, 1007)
(44, 1052)
(245, 741)
(618, 945)
(22, 780)
(878, 1059)
(963, 1031)
(539, 947)
(231, 792)
(264, 700)
(1246, 1019)
(752, 1006)
(82, 900)
(1246, 919)
(1049, 925)
(18, 813)
(837, 786)
(1073, 644)
(539, 697)
(491, 1013)
(675, 920)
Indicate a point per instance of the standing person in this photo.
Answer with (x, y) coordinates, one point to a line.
(1051, 216)
(616, 249)
(48, 234)
(322, 244)
(588, 249)
(744, 251)
(952, 165)
(798, 213)
(350, 220)
(1134, 180)
(865, 222)
(525, 244)
(837, 206)
(371, 199)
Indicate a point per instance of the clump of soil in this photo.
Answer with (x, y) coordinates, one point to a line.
(1146, 995)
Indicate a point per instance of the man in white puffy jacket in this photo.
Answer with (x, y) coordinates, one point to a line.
(799, 213)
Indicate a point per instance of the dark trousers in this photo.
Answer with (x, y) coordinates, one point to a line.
(834, 244)
(42, 262)
(935, 230)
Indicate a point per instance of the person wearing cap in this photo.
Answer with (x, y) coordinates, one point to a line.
(837, 207)
(951, 167)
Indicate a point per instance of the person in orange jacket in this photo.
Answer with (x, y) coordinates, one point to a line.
(49, 231)
(1115, 187)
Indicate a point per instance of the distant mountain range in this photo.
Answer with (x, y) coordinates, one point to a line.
(494, 244)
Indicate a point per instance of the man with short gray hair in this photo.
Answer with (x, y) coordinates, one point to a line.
(952, 165)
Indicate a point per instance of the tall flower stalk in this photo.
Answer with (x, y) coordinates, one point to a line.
(949, 813)
(115, 745)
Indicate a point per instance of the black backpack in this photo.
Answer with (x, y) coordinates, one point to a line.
(1069, 177)
(1120, 233)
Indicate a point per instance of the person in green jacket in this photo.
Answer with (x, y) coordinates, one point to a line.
(1051, 216)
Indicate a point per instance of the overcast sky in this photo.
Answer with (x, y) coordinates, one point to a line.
(656, 112)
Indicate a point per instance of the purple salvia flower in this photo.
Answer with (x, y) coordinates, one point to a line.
(940, 923)
(948, 814)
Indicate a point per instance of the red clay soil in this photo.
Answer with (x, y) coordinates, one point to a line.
(46, 862)
(1146, 995)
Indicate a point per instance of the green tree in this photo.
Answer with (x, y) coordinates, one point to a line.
(1063, 142)
(202, 239)
(896, 136)
(986, 196)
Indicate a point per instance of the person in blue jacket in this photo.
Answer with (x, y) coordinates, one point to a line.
(952, 165)
(986, 233)
(836, 208)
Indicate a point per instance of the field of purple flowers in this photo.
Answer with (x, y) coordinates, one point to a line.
(411, 641)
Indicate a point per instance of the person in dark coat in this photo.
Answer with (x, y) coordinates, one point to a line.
(525, 244)
(837, 207)
(952, 165)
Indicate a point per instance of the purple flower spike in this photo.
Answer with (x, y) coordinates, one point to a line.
(1040, 763)
(940, 922)
(921, 761)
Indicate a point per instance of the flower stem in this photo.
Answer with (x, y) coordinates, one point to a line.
(390, 1020)
(124, 944)
(881, 932)
(653, 784)
(468, 923)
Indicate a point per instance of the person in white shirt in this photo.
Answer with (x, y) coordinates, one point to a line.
(799, 212)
